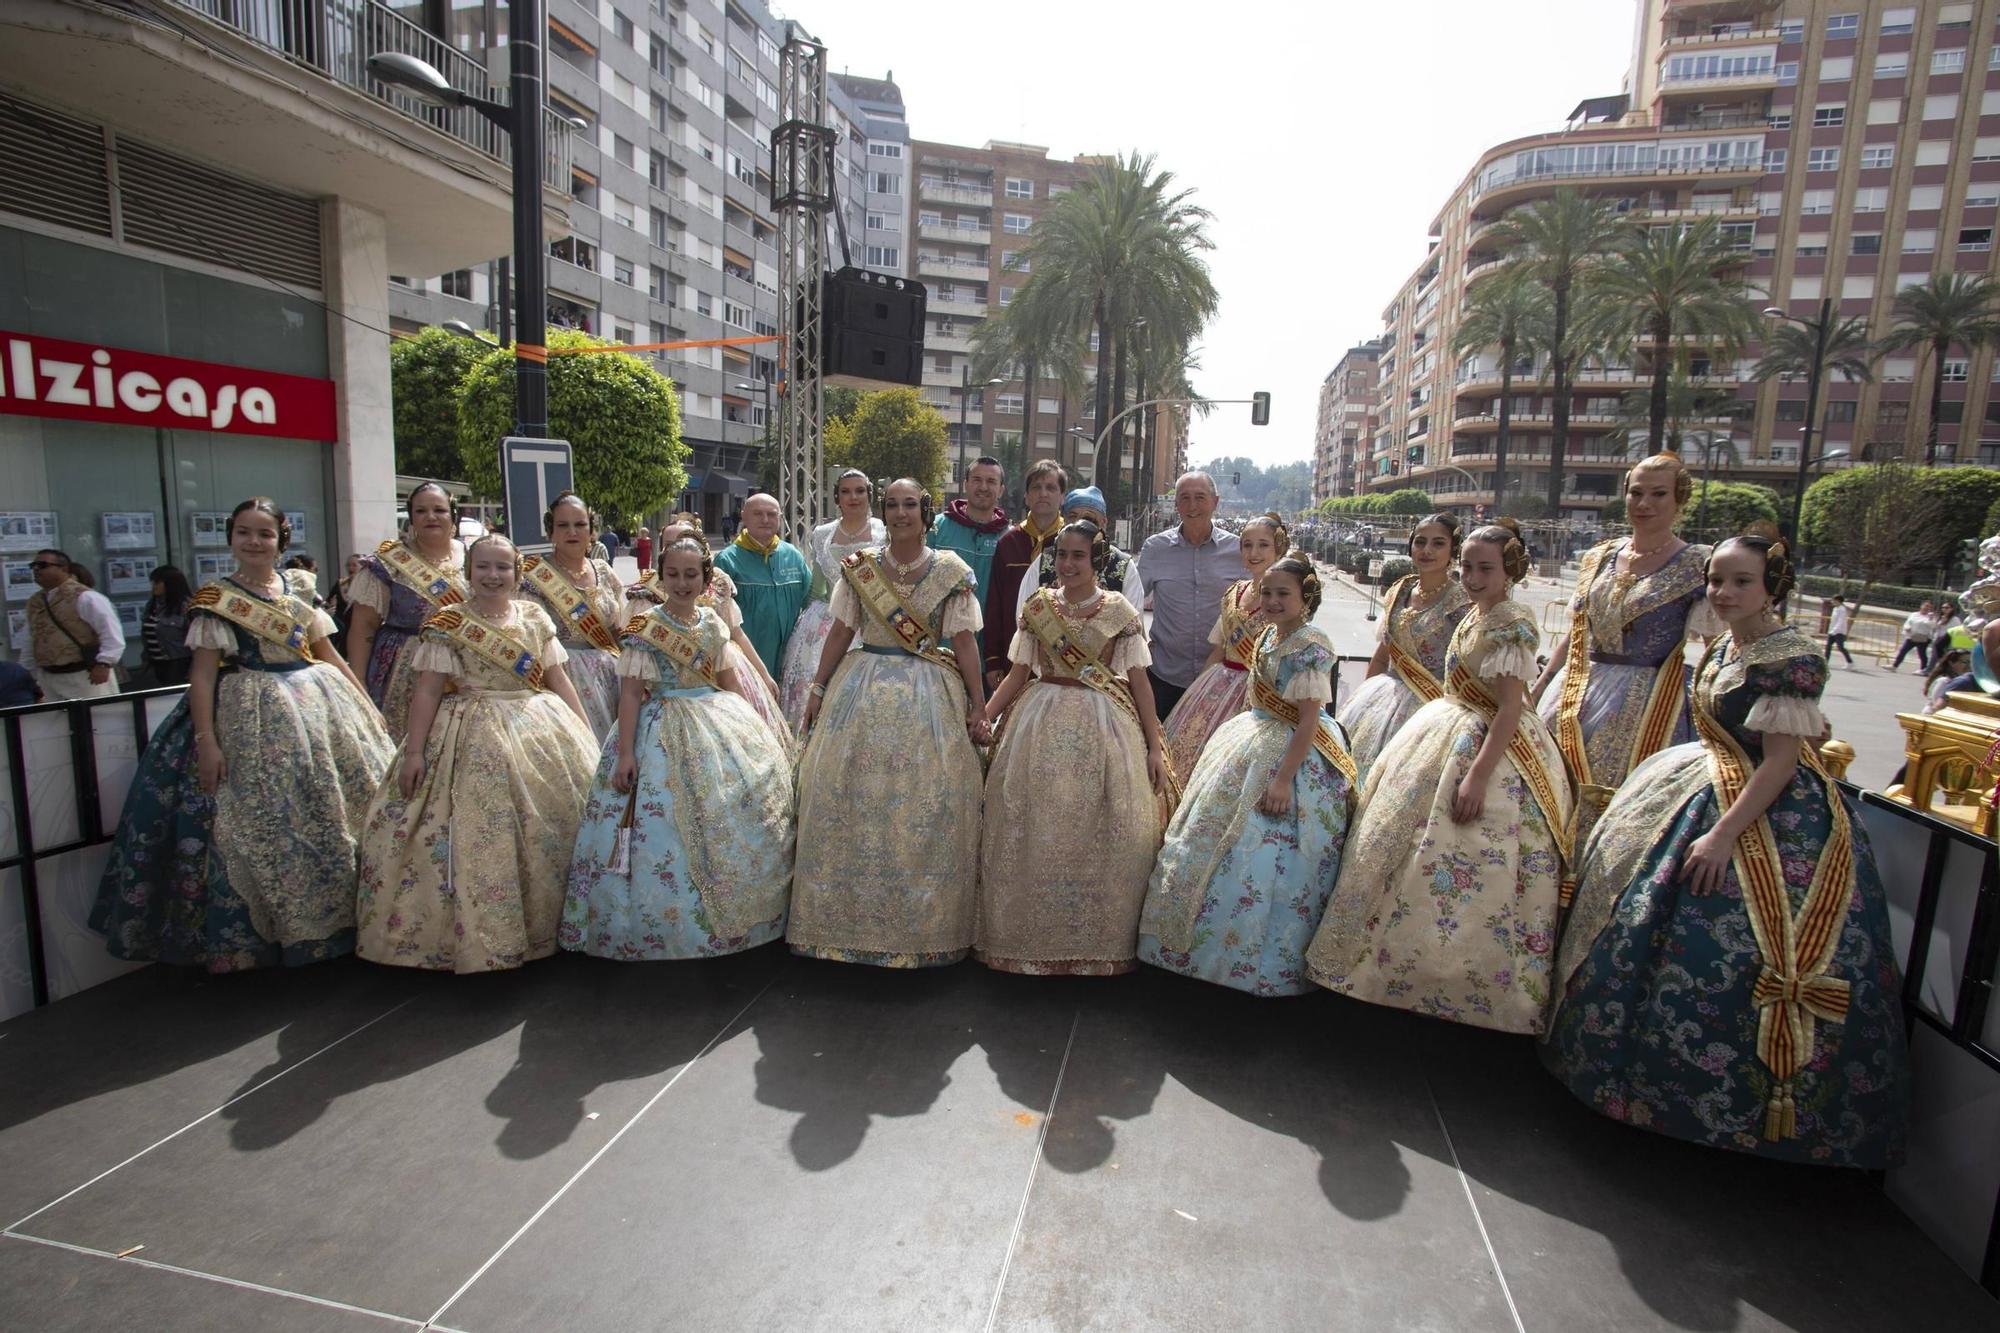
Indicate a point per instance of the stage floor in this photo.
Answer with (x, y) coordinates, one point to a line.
(768, 1143)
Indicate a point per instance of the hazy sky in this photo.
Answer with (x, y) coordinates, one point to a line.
(1324, 136)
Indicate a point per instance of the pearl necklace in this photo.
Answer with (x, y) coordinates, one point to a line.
(1081, 609)
(905, 573)
(846, 538)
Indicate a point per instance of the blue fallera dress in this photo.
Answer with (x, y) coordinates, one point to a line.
(1236, 895)
(706, 865)
(1659, 1018)
(260, 874)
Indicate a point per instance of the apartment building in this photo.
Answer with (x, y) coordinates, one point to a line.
(1347, 420)
(971, 214)
(883, 245)
(672, 237)
(1850, 148)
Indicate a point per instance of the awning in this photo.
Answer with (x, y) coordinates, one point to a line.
(717, 482)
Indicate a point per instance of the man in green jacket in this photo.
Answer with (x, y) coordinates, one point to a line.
(972, 527)
(771, 577)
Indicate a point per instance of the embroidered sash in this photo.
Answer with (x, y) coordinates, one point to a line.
(1265, 695)
(871, 587)
(1792, 991)
(1041, 619)
(680, 646)
(1407, 666)
(438, 587)
(1240, 629)
(1552, 798)
(283, 621)
(569, 601)
(490, 642)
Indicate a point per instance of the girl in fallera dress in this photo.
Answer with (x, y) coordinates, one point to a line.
(1222, 689)
(396, 589)
(1255, 847)
(889, 786)
(686, 845)
(468, 842)
(1419, 613)
(832, 542)
(1616, 686)
(1726, 973)
(1071, 826)
(720, 596)
(1447, 904)
(238, 842)
(586, 602)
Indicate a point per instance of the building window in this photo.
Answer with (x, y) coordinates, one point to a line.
(735, 314)
(1941, 106)
(1993, 58)
(884, 256)
(1812, 247)
(1955, 372)
(1982, 195)
(656, 170)
(656, 283)
(656, 228)
(1816, 201)
(1007, 295)
(1787, 72)
(1948, 62)
(622, 28)
(883, 148)
(1897, 21)
(1868, 243)
(1825, 117)
(1020, 189)
(1878, 155)
(1822, 159)
(1013, 261)
(1779, 120)
(1792, 30)
(457, 283)
(1836, 69)
(885, 182)
(1919, 241)
(1840, 411)
(1017, 223)
(885, 222)
(1775, 159)
(1843, 25)
(621, 270)
(1892, 66)
(1008, 404)
(1975, 238)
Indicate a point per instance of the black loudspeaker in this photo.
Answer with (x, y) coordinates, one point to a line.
(872, 328)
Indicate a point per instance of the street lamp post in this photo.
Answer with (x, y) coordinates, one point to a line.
(1821, 328)
(521, 118)
(964, 404)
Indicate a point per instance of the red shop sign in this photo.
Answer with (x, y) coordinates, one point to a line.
(48, 377)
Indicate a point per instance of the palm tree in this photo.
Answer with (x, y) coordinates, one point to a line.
(1950, 308)
(1560, 239)
(1677, 280)
(1121, 247)
(1687, 403)
(1026, 335)
(1509, 310)
(1790, 350)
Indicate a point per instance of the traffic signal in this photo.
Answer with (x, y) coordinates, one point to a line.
(1260, 409)
(1236, 479)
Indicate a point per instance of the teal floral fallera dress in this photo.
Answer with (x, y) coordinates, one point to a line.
(1236, 895)
(261, 874)
(1657, 1024)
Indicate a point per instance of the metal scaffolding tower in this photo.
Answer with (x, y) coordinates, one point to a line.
(801, 196)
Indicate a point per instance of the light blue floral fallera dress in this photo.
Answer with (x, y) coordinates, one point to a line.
(1236, 895)
(708, 867)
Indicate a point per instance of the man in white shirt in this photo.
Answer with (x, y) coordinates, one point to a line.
(1918, 627)
(1837, 627)
(73, 636)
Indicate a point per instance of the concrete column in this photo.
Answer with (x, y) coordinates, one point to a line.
(355, 244)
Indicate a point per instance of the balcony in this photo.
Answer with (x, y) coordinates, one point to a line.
(946, 231)
(1488, 381)
(941, 379)
(955, 192)
(969, 307)
(280, 93)
(944, 266)
(1710, 40)
(947, 342)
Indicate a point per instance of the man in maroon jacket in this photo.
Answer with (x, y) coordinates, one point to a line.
(1017, 552)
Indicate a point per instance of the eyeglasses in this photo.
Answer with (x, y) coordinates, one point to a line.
(47, 564)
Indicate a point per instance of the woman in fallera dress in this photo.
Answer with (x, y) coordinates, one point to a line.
(1616, 686)
(1071, 825)
(238, 842)
(1255, 847)
(585, 601)
(1726, 973)
(832, 542)
(889, 786)
(395, 591)
(468, 842)
(1222, 690)
(686, 845)
(1419, 613)
(1447, 904)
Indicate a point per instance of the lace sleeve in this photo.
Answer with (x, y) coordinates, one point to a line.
(1510, 650)
(428, 654)
(1129, 650)
(1022, 648)
(961, 614)
(845, 606)
(1788, 694)
(367, 589)
(208, 631)
(1702, 619)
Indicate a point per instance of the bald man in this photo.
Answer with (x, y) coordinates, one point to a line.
(1187, 568)
(771, 576)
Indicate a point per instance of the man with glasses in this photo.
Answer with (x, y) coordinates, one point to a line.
(73, 633)
(1186, 568)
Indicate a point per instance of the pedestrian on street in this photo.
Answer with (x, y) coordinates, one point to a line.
(73, 632)
(642, 550)
(164, 624)
(1918, 627)
(1837, 626)
(1187, 568)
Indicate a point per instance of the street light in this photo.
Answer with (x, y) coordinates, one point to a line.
(1820, 327)
(465, 330)
(521, 118)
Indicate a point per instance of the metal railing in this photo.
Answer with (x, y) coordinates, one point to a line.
(336, 37)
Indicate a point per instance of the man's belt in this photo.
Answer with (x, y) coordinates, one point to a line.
(65, 670)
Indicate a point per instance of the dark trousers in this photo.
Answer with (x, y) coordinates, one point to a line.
(1923, 648)
(1839, 641)
(1165, 696)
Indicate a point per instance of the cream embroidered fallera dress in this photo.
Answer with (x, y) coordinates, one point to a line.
(889, 790)
(389, 593)
(467, 875)
(1384, 703)
(721, 598)
(1071, 825)
(591, 669)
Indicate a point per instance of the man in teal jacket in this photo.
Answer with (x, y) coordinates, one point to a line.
(771, 577)
(972, 527)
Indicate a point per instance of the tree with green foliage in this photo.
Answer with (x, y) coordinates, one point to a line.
(1991, 527)
(1948, 309)
(892, 433)
(1723, 508)
(840, 400)
(1876, 521)
(1508, 310)
(621, 417)
(426, 374)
